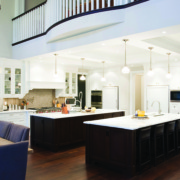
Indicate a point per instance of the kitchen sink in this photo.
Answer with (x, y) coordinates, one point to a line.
(158, 115)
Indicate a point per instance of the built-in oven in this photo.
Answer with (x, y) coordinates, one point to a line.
(175, 95)
(96, 99)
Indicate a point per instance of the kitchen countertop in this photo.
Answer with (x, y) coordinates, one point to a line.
(126, 122)
(57, 115)
(17, 111)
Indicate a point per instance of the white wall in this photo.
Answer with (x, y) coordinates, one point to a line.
(6, 15)
(114, 77)
(159, 77)
(102, 26)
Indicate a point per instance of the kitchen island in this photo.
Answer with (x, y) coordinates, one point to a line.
(55, 130)
(115, 142)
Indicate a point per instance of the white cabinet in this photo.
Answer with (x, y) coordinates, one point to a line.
(12, 82)
(21, 117)
(175, 108)
(160, 94)
(70, 84)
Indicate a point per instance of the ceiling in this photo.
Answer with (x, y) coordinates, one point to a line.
(112, 51)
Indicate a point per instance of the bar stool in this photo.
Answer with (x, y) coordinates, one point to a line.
(170, 139)
(159, 148)
(144, 149)
(178, 135)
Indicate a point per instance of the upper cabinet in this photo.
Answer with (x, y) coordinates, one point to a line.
(12, 81)
(70, 84)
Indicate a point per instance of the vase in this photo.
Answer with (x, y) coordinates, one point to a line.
(24, 107)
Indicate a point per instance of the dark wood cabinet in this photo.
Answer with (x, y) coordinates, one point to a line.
(111, 146)
(119, 148)
(55, 133)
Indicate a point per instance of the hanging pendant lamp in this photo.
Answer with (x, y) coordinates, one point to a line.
(103, 78)
(125, 69)
(82, 78)
(169, 75)
(150, 72)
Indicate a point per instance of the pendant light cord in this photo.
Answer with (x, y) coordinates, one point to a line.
(103, 68)
(125, 53)
(150, 48)
(82, 65)
(125, 40)
(168, 62)
(55, 63)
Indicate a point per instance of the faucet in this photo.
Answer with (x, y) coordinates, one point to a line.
(159, 111)
(80, 99)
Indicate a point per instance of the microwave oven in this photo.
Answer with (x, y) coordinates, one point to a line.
(175, 95)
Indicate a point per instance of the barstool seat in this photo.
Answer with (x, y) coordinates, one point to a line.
(158, 144)
(144, 148)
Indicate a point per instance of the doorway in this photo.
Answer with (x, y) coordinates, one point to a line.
(136, 92)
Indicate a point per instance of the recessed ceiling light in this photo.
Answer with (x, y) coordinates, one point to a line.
(164, 32)
(103, 44)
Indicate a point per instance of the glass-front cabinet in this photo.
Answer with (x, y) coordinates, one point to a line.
(12, 82)
(7, 81)
(74, 83)
(70, 84)
(17, 81)
(67, 81)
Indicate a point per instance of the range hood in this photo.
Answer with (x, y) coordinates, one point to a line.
(46, 85)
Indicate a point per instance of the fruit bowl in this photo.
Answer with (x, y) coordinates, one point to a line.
(88, 110)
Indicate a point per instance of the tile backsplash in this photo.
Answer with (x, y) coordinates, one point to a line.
(37, 98)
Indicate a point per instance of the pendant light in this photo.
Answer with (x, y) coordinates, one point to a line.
(82, 78)
(55, 67)
(125, 69)
(103, 78)
(150, 72)
(168, 74)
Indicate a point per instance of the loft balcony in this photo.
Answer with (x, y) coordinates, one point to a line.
(41, 19)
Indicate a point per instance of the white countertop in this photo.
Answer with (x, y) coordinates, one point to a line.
(126, 122)
(17, 111)
(57, 115)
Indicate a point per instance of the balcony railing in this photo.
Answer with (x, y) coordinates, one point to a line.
(39, 20)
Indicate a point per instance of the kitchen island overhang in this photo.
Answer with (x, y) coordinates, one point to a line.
(114, 142)
(55, 130)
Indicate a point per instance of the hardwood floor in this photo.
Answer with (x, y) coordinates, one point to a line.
(69, 164)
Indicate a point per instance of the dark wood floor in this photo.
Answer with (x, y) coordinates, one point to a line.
(69, 164)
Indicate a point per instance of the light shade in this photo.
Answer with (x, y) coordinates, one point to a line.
(103, 79)
(168, 75)
(82, 78)
(150, 73)
(125, 70)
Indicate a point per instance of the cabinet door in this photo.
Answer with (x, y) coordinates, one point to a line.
(100, 139)
(17, 83)
(7, 80)
(76, 129)
(74, 84)
(63, 131)
(48, 131)
(67, 85)
(38, 129)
